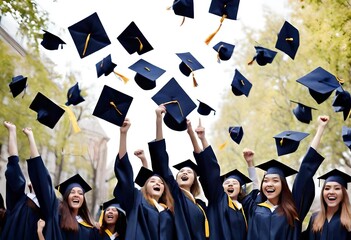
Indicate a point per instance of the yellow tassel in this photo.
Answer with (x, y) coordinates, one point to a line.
(251, 62)
(125, 79)
(223, 145)
(86, 44)
(194, 81)
(140, 44)
(209, 38)
(348, 115)
(72, 118)
(101, 217)
(289, 39)
(281, 142)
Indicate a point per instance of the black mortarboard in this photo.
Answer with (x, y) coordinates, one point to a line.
(146, 74)
(303, 112)
(113, 203)
(171, 123)
(74, 181)
(133, 40)
(346, 136)
(288, 39)
(17, 85)
(236, 133)
(184, 8)
(263, 56)
(105, 66)
(337, 91)
(342, 102)
(189, 63)
(187, 163)
(224, 7)
(73, 95)
(338, 176)
(177, 102)
(320, 83)
(89, 35)
(224, 50)
(112, 105)
(48, 113)
(143, 175)
(236, 174)
(240, 85)
(204, 109)
(51, 41)
(288, 141)
(275, 167)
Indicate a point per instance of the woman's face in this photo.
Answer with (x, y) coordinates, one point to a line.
(332, 194)
(232, 188)
(155, 187)
(76, 198)
(111, 215)
(185, 177)
(272, 187)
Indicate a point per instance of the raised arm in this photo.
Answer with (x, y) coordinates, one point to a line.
(322, 123)
(159, 115)
(123, 138)
(200, 131)
(249, 158)
(192, 136)
(141, 155)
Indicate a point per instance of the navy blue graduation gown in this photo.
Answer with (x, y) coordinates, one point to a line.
(85, 232)
(21, 219)
(226, 221)
(144, 221)
(331, 230)
(264, 224)
(189, 218)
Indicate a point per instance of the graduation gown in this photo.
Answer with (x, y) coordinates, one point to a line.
(226, 221)
(331, 230)
(85, 231)
(144, 221)
(267, 225)
(189, 217)
(22, 214)
(106, 235)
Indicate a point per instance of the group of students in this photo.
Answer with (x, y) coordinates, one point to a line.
(167, 207)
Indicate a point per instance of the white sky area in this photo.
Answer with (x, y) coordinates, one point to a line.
(162, 29)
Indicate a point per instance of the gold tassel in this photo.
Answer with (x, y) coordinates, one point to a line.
(72, 118)
(115, 107)
(140, 44)
(124, 78)
(86, 44)
(251, 62)
(289, 39)
(223, 145)
(209, 38)
(194, 80)
(101, 217)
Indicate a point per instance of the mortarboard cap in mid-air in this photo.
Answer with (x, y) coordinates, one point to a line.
(236, 133)
(342, 102)
(184, 8)
(302, 112)
(236, 174)
(48, 113)
(240, 85)
(204, 109)
(112, 105)
(17, 85)
(105, 66)
(288, 40)
(320, 83)
(275, 167)
(338, 176)
(74, 181)
(224, 51)
(146, 74)
(189, 64)
(51, 41)
(228, 9)
(187, 163)
(263, 56)
(346, 136)
(73, 95)
(133, 40)
(288, 141)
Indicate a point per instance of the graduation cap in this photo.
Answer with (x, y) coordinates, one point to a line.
(113, 203)
(236, 133)
(236, 174)
(187, 163)
(143, 175)
(263, 56)
(48, 113)
(240, 85)
(51, 41)
(189, 64)
(275, 167)
(288, 40)
(73, 95)
(337, 91)
(338, 176)
(89, 35)
(177, 102)
(105, 66)
(17, 85)
(184, 8)
(303, 112)
(288, 141)
(74, 181)
(320, 83)
(112, 105)
(342, 102)
(224, 51)
(146, 74)
(346, 136)
(204, 109)
(133, 40)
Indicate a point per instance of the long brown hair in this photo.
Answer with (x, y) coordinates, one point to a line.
(286, 202)
(68, 220)
(345, 214)
(166, 197)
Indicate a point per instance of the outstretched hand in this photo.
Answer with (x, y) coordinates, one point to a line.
(200, 130)
(139, 153)
(249, 156)
(125, 126)
(323, 120)
(160, 110)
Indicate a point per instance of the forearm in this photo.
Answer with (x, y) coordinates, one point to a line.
(122, 145)
(159, 131)
(196, 146)
(317, 137)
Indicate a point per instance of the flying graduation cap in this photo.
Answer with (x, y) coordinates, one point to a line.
(133, 40)
(302, 112)
(338, 176)
(346, 136)
(183, 8)
(146, 74)
(17, 85)
(236, 133)
(51, 41)
(224, 51)
(342, 102)
(89, 35)
(73, 96)
(288, 40)
(204, 109)
(112, 105)
(188, 65)
(320, 84)
(106, 66)
(288, 141)
(263, 56)
(240, 85)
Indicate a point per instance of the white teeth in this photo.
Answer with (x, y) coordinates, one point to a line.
(331, 198)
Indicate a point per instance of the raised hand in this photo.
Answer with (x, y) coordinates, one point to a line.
(249, 156)
(200, 131)
(125, 126)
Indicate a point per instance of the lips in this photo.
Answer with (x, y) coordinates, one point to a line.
(184, 178)
(157, 189)
(331, 198)
(230, 190)
(270, 190)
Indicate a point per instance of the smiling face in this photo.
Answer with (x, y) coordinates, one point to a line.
(232, 188)
(155, 187)
(75, 198)
(272, 187)
(111, 215)
(185, 177)
(332, 194)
